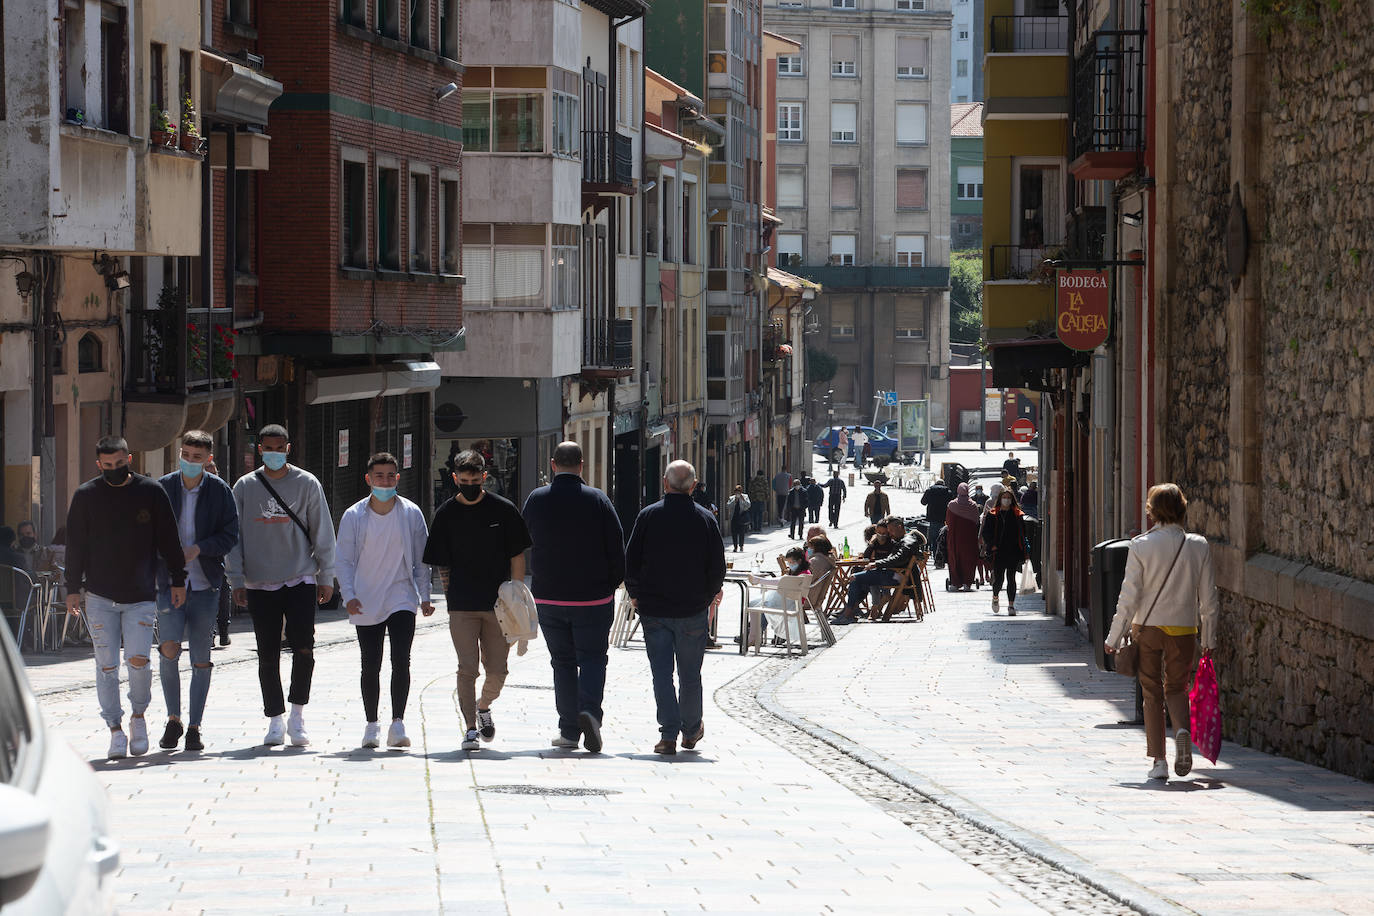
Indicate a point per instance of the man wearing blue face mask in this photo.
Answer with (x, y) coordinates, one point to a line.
(382, 580)
(208, 523)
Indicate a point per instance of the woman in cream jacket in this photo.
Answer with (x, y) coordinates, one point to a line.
(1186, 607)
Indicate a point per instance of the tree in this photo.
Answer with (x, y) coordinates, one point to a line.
(966, 295)
(820, 366)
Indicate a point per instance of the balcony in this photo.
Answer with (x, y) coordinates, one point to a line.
(607, 167)
(1028, 34)
(1027, 67)
(874, 277)
(607, 348)
(1109, 106)
(1021, 262)
(179, 373)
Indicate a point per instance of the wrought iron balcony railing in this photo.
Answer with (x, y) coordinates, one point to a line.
(175, 352)
(1109, 94)
(1021, 262)
(1029, 33)
(608, 343)
(607, 158)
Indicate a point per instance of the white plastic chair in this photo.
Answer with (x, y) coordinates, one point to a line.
(626, 622)
(787, 616)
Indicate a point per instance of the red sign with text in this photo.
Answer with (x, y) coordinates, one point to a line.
(1085, 305)
(1023, 430)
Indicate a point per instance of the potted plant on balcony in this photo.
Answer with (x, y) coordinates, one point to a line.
(158, 337)
(163, 132)
(222, 368)
(190, 134)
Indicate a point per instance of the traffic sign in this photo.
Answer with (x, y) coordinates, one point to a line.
(890, 398)
(1022, 430)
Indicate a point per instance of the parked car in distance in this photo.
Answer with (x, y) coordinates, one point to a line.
(884, 448)
(56, 853)
(938, 439)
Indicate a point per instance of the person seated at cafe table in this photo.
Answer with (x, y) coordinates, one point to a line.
(821, 557)
(881, 573)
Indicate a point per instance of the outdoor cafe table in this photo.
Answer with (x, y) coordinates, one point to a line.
(839, 583)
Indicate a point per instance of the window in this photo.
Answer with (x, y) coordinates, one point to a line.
(241, 12)
(790, 247)
(355, 13)
(841, 316)
(567, 242)
(627, 60)
(448, 29)
(970, 182)
(667, 234)
(507, 122)
(388, 218)
(90, 353)
(184, 80)
(719, 255)
(114, 60)
(910, 250)
(354, 194)
(449, 229)
(963, 34)
(961, 68)
(790, 65)
(419, 23)
(504, 265)
(911, 6)
(789, 4)
(913, 54)
(844, 55)
(689, 235)
(388, 18)
(911, 189)
(791, 188)
(420, 258)
(476, 266)
(844, 4)
(842, 247)
(651, 219)
(3, 774)
(789, 120)
(566, 123)
(73, 60)
(844, 188)
(909, 318)
(844, 122)
(476, 122)
(157, 77)
(1040, 205)
(911, 122)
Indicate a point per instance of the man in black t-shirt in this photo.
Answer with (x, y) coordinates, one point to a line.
(480, 539)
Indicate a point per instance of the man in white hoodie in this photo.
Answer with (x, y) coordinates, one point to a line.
(382, 580)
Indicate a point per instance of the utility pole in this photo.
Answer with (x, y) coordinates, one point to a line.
(983, 398)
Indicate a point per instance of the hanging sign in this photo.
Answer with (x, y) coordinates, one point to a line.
(1084, 298)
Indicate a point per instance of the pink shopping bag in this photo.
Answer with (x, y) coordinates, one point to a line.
(1204, 707)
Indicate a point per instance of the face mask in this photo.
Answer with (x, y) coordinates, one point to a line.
(1006, 502)
(115, 476)
(190, 469)
(793, 567)
(470, 491)
(274, 461)
(26, 542)
(384, 493)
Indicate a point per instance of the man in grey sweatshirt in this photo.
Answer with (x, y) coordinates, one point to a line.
(281, 568)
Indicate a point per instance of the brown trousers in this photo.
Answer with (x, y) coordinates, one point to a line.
(1167, 665)
(477, 634)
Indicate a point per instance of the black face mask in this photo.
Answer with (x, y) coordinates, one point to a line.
(470, 491)
(115, 476)
(26, 542)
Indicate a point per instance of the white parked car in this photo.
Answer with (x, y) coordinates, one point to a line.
(56, 854)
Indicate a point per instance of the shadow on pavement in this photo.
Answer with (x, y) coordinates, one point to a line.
(263, 750)
(681, 757)
(1158, 785)
(459, 756)
(146, 762)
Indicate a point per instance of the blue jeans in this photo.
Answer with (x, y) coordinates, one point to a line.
(579, 640)
(111, 623)
(680, 639)
(195, 622)
(862, 582)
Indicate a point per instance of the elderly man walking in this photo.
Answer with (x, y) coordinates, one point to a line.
(578, 561)
(674, 569)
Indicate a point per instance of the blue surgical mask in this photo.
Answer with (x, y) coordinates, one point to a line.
(274, 461)
(384, 494)
(191, 469)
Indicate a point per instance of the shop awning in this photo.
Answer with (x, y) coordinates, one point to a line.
(792, 285)
(330, 385)
(234, 92)
(1023, 363)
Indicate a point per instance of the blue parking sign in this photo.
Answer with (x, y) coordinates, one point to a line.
(890, 398)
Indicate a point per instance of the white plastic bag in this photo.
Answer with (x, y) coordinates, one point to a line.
(1027, 579)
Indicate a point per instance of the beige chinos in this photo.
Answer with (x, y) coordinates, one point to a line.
(474, 633)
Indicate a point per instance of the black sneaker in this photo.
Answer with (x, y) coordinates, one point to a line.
(193, 742)
(486, 726)
(171, 736)
(591, 732)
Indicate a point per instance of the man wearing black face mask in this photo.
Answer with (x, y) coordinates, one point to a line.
(28, 544)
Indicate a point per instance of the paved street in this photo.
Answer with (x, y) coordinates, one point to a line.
(966, 764)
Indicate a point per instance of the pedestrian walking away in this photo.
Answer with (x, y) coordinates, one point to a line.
(881, 573)
(700, 497)
(815, 499)
(674, 570)
(737, 517)
(577, 563)
(796, 508)
(1030, 499)
(480, 539)
(1168, 599)
(383, 579)
(936, 498)
(1012, 467)
(208, 525)
(860, 439)
(118, 525)
(1004, 538)
(876, 505)
(782, 487)
(838, 492)
(961, 540)
(282, 569)
(758, 499)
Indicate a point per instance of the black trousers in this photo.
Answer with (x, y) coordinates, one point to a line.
(737, 532)
(296, 605)
(1009, 571)
(401, 627)
(834, 515)
(797, 522)
(813, 513)
(226, 609)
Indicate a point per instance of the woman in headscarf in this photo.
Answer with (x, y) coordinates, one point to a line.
(961, 540)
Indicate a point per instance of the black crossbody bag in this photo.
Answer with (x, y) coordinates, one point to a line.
(262, 478)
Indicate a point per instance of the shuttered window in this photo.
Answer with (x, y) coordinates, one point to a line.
(911, 189)
(844, 122)
(911, 250)
(844, 188)
(841, 316)
(913, 56)
(844, 55)
(911, 122)
(910, 318)
(791, 188)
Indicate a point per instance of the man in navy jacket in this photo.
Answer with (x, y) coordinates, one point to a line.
(577, 563)
(208, 522)
(674, 569)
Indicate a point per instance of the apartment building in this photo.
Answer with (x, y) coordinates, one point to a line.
(966, 51)
(966, 175)
(862, 190)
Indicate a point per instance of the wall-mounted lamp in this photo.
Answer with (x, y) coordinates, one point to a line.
(116, 278)
(444, 91)
(1133, 219)
(25, 282)
(713, 212)
(649, 185)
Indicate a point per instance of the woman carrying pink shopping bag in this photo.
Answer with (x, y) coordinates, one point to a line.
(1168, 598)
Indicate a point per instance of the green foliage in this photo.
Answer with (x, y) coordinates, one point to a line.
(966, 295)
(1276, 15)
(820, 366)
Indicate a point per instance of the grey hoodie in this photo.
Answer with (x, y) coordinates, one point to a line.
(272, 548)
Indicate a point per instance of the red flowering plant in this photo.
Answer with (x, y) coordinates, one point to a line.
(196, 361)
(225, 339)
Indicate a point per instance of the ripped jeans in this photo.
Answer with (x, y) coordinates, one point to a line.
(112, 623)
(194, 621)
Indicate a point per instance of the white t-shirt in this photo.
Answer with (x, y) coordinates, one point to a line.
(383, 583)
(860, 440)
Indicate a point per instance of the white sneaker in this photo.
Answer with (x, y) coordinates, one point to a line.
(119, 746)
(295, 730)
(396, 735)
(566, 744)
(1160, 770)
(996, 603)
(486, 725)
(372, 735)
(276, 731)
(470, 742)
(1183, 752)
(138, 736)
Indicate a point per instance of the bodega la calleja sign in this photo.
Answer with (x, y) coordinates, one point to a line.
(1085, 303)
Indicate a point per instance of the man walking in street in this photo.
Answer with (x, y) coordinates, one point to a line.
(838, 491)
(117, 526)
(736, 516)
(577, 562)
(674, 570)
(796, 509)
(382, 581)
(208, 525)
(782, 486)
(860, 439)
(282, 569)
(758, 499)
(936, 499)
(876, 505)
(480, 539)
(815, 498)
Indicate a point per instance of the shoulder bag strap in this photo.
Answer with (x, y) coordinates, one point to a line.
(262, 478)
(1166, 579)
